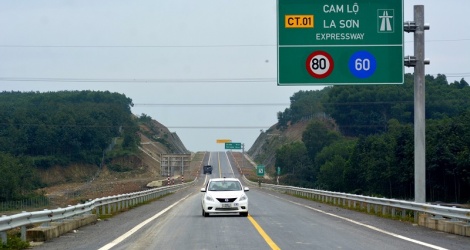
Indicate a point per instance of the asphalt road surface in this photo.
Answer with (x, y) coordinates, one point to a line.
(275, 221)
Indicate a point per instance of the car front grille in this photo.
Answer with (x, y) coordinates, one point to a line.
(226, 209)
(226, 200)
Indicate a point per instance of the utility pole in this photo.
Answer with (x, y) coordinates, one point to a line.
(418, 61)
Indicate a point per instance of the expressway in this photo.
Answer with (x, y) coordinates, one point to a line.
(275, 221)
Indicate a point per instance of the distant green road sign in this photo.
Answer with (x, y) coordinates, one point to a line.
(233, 145)
(340, 42)
(260, 170)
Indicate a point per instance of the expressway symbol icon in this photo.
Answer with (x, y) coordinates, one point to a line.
(386, 20)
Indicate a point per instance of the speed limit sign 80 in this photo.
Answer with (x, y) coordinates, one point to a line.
(319, 64)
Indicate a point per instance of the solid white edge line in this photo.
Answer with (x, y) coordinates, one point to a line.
(136, 228)
(228, 160)
(367, 226)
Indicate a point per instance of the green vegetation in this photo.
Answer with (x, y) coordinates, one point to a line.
(14, 242)
(360, 140)
(40, 130)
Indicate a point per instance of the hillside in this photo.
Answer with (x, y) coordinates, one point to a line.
(77, 145)
(77, 182)
(264, 148)
(158, 135)
(365, 142)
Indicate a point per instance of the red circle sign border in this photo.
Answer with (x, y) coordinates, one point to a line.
(322, 53)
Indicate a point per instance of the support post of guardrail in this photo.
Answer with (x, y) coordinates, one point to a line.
(3, 237)
(23, 233)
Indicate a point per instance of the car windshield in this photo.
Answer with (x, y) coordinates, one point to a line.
(225, 186)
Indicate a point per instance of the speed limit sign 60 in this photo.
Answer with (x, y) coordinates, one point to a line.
(319, 64)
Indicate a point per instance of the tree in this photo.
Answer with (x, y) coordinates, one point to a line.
(18, 178)
(293, 160)
(332, 163)
(317, 135)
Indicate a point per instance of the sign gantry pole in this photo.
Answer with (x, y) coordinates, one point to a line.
(418, 61)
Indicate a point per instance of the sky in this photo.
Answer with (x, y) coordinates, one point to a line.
(206, 69)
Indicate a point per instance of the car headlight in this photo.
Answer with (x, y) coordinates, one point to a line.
(243, 197)
(209, 198)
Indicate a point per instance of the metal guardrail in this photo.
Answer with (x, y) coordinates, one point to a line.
(105, 205)
(386, 206)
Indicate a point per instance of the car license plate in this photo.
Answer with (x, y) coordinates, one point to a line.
(226, 205)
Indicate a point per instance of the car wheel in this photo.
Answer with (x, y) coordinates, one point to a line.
(243, 214)
(204, 213)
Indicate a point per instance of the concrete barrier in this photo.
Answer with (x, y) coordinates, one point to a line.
(55, 229)
(461, 228)
(444, 225)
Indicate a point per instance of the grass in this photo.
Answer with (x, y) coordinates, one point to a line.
(14, 241)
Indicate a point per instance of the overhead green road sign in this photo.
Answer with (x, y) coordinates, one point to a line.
(334, 42)
(233, 145)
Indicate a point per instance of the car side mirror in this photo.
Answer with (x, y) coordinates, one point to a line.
(246, 189)
(203, 190)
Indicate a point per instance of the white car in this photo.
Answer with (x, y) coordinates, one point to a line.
(224, 195)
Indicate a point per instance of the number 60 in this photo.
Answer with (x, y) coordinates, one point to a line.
(362, 64)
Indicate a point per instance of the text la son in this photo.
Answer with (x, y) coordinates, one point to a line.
(342, 24)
